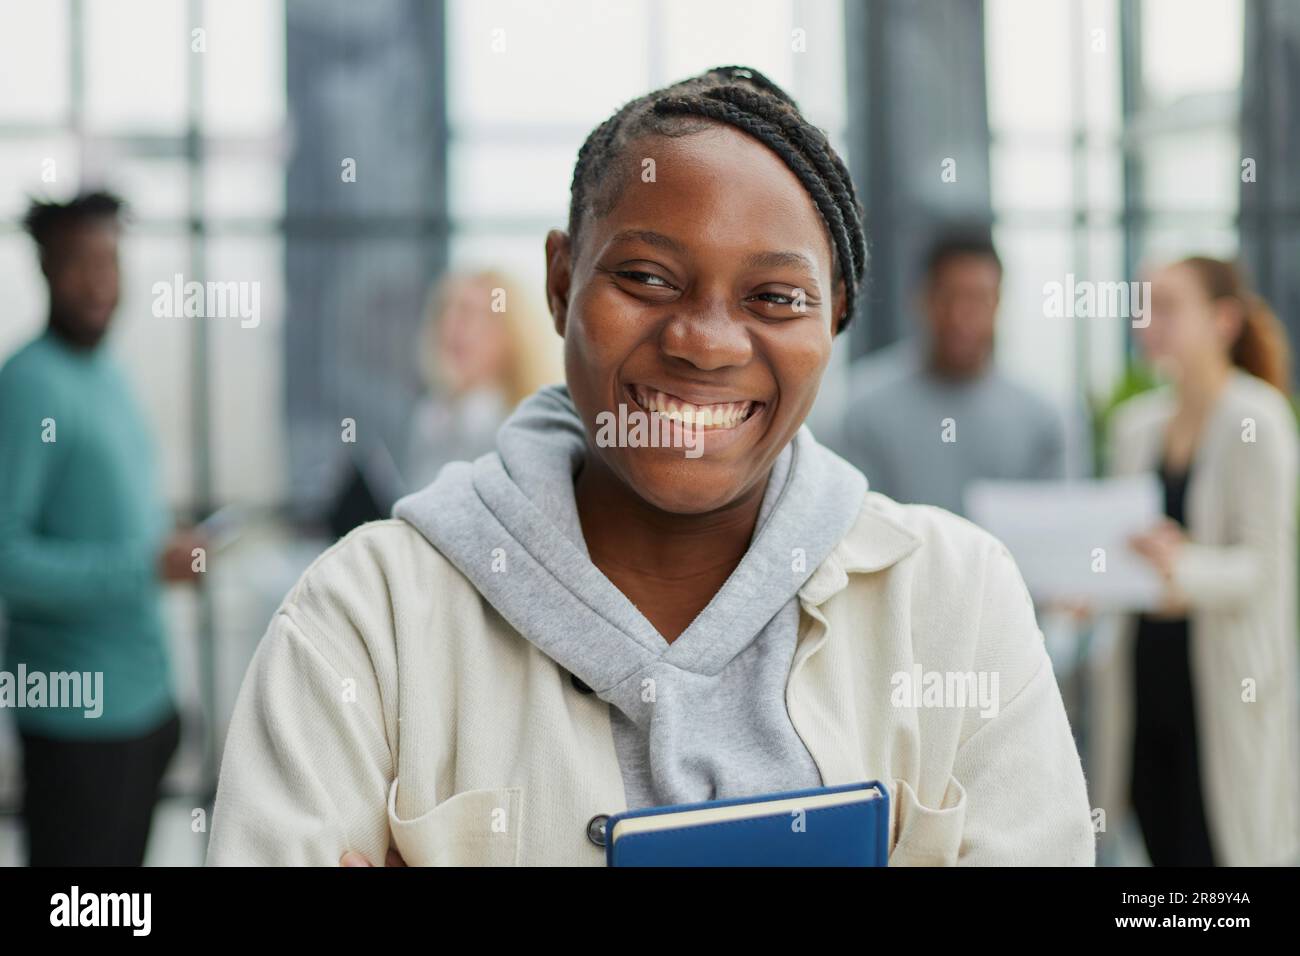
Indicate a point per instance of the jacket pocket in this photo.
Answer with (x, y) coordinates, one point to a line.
(470, 828)
(927, 836)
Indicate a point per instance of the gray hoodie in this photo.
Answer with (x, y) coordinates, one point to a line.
(702, 718)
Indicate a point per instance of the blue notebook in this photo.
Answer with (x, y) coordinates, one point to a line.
(826, 826)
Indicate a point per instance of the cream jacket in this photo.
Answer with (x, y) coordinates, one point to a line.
(1239, 574)
(389, 704)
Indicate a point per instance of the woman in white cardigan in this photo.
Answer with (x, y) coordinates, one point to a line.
(1196, 705)
(659, 588)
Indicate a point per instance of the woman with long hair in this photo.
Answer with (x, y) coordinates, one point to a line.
(481, 353)
(1197, 703)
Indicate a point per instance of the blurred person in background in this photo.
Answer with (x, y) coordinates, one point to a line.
(895, 417)
(1197, 704)
(84, 548)
(482, 351)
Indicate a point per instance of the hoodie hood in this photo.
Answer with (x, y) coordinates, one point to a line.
(509, 522)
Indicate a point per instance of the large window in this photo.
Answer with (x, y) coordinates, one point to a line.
(1183, 128)
(1091, 180)
(1055, 119)
(180, 107)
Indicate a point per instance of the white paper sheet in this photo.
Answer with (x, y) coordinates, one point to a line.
(1063, 533)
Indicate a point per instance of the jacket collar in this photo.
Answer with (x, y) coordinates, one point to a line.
(874, 542)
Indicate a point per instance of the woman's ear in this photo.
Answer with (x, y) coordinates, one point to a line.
(559, 274)
(839, 299)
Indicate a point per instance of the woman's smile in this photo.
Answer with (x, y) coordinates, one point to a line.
(706, 428)
(700, 412)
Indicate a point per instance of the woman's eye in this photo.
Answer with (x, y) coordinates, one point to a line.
(780, 305)
(645, 278)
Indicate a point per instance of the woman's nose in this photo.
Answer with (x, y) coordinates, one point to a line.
(708, 338)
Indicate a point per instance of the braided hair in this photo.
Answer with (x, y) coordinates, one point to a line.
(744, 98)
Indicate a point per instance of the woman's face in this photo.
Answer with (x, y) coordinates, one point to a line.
(704, 293)
(473, 342)
(1187, 328)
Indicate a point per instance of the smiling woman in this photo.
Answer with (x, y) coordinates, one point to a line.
(572, 626)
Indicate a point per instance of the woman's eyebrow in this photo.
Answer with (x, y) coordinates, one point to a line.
(777, 260)
(760, 260)
(650, 238)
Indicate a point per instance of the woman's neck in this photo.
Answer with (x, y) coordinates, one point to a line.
(1196, 392)
(1198, 388)
(669, 565)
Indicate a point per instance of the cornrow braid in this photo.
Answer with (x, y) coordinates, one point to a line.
(745, 99)
(814, 145)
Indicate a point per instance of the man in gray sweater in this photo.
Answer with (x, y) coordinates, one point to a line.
(925, 418)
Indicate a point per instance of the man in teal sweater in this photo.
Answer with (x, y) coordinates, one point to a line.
(84, 548)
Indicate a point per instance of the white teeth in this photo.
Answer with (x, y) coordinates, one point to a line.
(726, 415)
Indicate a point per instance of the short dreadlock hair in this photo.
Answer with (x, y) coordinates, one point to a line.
(744, 98)
(46, 220)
